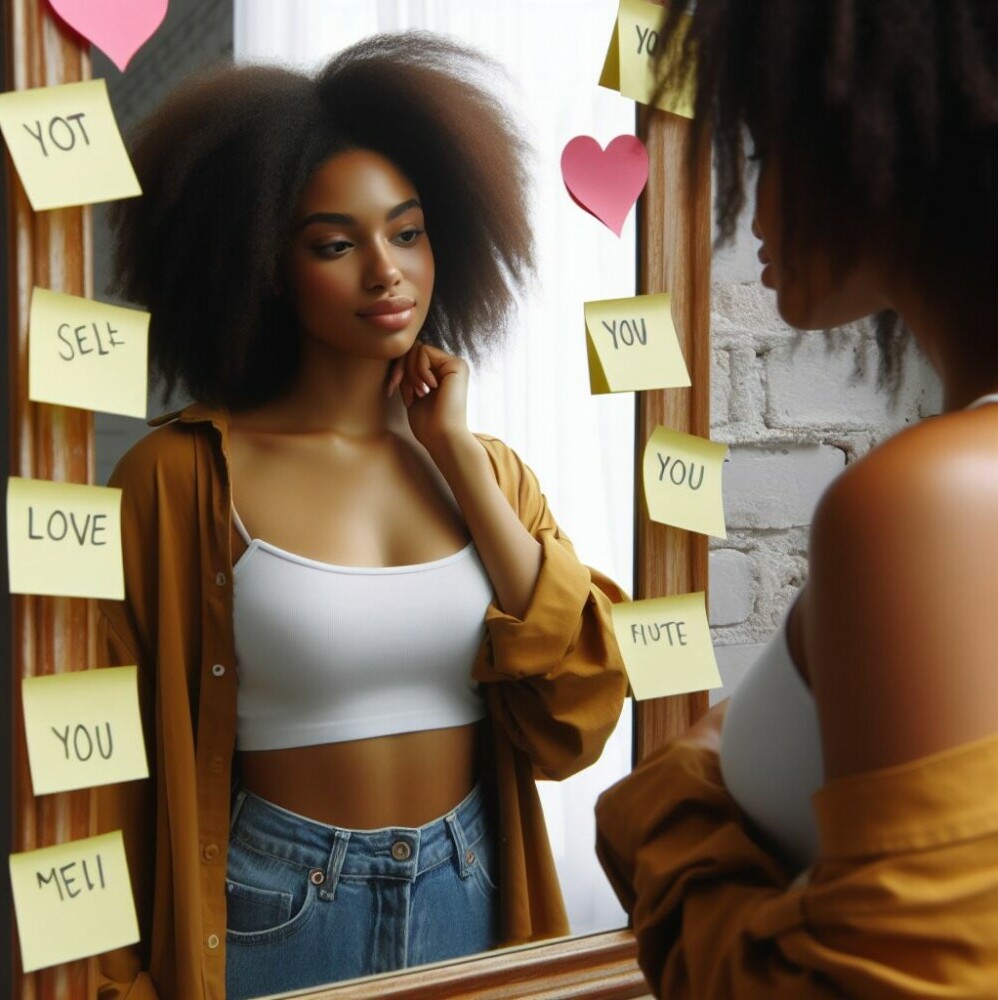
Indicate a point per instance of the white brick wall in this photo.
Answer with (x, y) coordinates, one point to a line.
(795, 407)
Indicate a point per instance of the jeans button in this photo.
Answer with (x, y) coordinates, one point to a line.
(401, 851)
(469, 857)
(317, 876)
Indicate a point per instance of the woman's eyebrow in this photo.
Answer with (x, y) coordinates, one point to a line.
(340, 219)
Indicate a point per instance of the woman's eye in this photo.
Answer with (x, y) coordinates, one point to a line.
(409, 236)
(334, 248)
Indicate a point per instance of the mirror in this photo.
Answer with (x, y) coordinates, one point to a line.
(180, 43)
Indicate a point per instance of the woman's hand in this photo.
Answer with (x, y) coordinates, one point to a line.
(434, 388)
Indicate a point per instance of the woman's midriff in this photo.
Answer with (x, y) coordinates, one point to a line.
(403, 780)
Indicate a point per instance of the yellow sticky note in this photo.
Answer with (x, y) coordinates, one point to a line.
(64, 539)
(83, 729)
(629, 63)
(72, 900)
(66, 145)
(682, 481)
(87, 354)
(665, 643)
(632, 345)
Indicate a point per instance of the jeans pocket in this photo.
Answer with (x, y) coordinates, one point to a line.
(266, 898)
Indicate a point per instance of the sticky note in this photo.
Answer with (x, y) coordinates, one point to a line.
(64, 539)
(83, 729)
(632, 345)
(87, 354)
(682, 481)
(665, 644)
(72, 900)
(629, 65)
(66, 145)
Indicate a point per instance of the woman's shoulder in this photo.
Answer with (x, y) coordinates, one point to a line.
(166, 448)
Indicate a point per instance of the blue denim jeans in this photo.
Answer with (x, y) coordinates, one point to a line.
(310, 903)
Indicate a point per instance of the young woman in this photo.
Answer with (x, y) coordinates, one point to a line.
(360, 633)
(833, 830)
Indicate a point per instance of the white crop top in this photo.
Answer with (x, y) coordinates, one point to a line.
(771, 758)
(331, 653)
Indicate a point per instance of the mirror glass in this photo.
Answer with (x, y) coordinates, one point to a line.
(534, 394)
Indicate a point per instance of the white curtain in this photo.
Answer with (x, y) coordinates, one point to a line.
(535, 395)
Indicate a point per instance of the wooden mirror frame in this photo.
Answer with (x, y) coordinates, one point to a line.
(53, 635)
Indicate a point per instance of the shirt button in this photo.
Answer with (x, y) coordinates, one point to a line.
(213, 941)
(220, 579)
(217, 763)
(211, 852)
(401, 851)
(217, 669)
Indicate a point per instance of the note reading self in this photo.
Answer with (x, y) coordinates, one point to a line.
(66, 145)
(682, 480)
(665, 643)
(629, 65)
(87, 354)
(64, 539)
(83, 729)
(632, 345)
(72, 900)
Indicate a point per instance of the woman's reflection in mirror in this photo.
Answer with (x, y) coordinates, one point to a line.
(360, 633)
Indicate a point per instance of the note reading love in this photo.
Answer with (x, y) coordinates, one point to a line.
(64, 539)
(66, 145)
(665, 643)
(632, 345)
(72, 900)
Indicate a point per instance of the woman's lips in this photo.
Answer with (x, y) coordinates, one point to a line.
(389, 314)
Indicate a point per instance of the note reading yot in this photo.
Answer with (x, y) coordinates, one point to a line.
(83, 729)
(632, 345)
(682, 481)
(64, 539)
(630, 60)
(72, 900)
(665, 643)
(66, 145)
(87, 354)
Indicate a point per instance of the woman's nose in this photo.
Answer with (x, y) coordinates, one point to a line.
(383, 270)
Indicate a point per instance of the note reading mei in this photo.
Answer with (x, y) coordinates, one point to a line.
(64, 539)
(632, 345)
(682, 481)
(629, 65)
(83, 729)
(87, 354)
(66, 145)
(665, 643)
(72, 900)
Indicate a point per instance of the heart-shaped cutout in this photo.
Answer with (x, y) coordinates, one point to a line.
(119, 28)
(605, 182)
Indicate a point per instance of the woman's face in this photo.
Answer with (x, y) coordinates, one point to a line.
(810, 294)
(360, 272)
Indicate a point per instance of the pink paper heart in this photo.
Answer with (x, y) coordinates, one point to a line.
(605, 182)
(119, 28)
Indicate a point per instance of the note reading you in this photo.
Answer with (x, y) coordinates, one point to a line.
(632, 345)
(682, 480)
(83, 729)
(629, 65)
(87, 354)
(72, 900)
(66, 145)
(665, 643)
(64, 539)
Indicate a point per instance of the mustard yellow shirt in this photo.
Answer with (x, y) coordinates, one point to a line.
(553, 682)
(901, 905)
